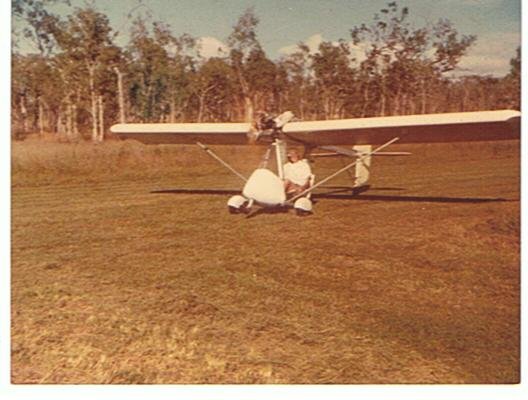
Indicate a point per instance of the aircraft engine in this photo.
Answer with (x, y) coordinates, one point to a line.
(266, 127)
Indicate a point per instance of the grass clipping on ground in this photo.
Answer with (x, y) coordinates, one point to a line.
(114, 284)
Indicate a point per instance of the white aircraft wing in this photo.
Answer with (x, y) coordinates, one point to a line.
(186, 133)
(450, 127)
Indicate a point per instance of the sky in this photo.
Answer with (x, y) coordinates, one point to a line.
(284, 23)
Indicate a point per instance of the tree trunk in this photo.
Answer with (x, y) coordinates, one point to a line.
(383, 99)
(58, 123)
(249, 112)
(366, 100)
(301, 101)
(326, 106)
(201, 98)
(100, 112)
(397, 102)
(172, 115)
(424, 97)
(69, 120)
(201, 104)
(75, 125)
(148, 112)
(40, 116)
(382, 105)
(120, 96)
(464, 97)
(412, 106)
(23, 113)
(93, 98)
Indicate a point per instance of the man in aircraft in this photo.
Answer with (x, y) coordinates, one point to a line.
(297, 174)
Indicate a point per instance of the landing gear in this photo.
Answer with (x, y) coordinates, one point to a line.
(302, 213)
(239, 205)
(303, 206)
(234, 210)
(360, 189)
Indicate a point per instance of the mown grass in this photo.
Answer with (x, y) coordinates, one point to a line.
(114, 284)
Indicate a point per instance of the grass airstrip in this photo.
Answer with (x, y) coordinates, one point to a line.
(414, 281)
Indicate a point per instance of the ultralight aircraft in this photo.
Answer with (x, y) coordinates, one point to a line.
(266, 188)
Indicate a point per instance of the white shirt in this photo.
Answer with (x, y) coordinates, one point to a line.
(298, 172)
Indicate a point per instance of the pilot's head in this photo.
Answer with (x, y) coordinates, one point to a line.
(293, 155)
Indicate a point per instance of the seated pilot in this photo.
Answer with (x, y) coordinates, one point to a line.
(297, 174)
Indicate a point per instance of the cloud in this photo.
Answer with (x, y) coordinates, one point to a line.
(313, 42)
(212, 47)
(490, 55)
(358, 52)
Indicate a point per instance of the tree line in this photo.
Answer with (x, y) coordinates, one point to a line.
(80, 82)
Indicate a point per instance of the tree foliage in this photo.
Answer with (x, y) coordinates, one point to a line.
(81, 82)
(39, 24)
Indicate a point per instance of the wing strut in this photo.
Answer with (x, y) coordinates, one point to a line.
(364, 155)
(229, 167)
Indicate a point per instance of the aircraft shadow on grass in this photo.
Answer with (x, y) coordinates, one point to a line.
(347, 193)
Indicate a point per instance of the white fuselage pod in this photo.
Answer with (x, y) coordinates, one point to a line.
(265, 188)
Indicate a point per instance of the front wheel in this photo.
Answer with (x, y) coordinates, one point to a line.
(302, 213)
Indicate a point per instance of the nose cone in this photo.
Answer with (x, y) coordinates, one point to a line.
(265, 187)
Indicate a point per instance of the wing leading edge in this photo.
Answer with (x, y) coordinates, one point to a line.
(427, 128)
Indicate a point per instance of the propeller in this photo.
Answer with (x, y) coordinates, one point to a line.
(268, 128)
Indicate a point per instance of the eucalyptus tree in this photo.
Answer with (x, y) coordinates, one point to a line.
(86, 41)
(72, 93)
(33, 20)
(255, 73)
(184, 58)
(297, 68)
(512, 81)
(402, 62)
(213, 85)
(30, 88)
(263, 81)
(333, 77)
(148, 68)
(160, 69)
(36, 93)
(37, 22)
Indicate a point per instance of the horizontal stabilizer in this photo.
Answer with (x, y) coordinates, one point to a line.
(336, 151)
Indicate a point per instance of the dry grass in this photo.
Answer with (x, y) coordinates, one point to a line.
(113, 284)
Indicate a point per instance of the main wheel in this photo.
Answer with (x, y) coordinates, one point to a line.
(302, 213)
